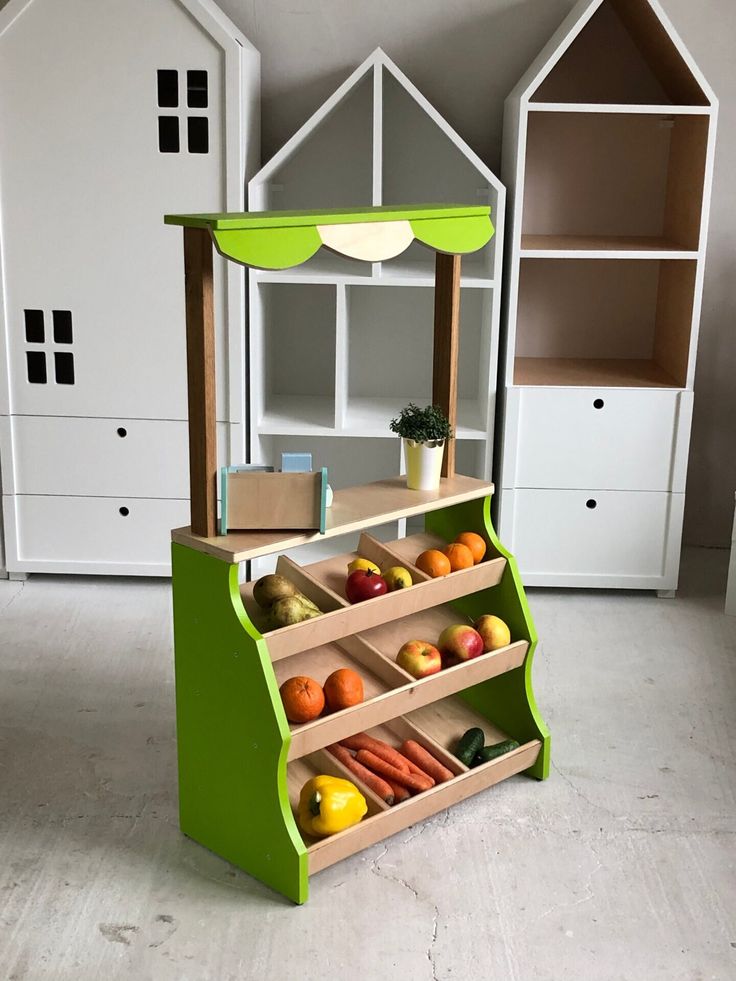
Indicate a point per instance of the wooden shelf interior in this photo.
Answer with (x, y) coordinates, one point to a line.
(615, 175)
(596, 310)
(570, 246)
(622, 55)
(437, 727)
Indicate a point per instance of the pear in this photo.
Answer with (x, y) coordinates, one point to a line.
(269, 589)
(289, 610)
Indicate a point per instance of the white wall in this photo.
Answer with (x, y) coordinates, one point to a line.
(465, 56)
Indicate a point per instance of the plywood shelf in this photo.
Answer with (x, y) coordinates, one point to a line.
(353, 509)
(592, 372)
(603, 246)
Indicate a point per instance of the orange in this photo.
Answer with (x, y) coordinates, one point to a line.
(303, 698)
(474, 542)
(460, 556)
(434, 563)
(343, 688)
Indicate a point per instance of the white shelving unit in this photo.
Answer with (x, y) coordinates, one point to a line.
(147, 107)
(338, 346)
(608, 156)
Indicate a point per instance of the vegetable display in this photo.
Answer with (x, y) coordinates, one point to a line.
(471, 751)
(328, 805)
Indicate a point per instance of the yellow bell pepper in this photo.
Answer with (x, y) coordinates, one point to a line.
(329, 804)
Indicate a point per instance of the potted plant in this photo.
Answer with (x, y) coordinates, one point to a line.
(424, 432)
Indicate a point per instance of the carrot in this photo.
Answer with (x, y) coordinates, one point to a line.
(410, 780)
(379, 747)
(413, 768)
(418, 754)
(400, 793)
(370, 779)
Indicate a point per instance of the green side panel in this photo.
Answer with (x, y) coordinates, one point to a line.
(232, 734)
(455, 237)
(328, 216)
(268, 248)
(508, 700)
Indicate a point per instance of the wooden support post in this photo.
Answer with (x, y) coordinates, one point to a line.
(201, 380)
(446, 341)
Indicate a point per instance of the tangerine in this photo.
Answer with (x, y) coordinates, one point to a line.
(303, 698)
(434, 563)
(343, 688)
(460, 556)
(474, 542)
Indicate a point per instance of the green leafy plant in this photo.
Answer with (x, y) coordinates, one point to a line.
(422, 425)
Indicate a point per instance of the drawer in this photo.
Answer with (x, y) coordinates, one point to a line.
(91, 534)
(102, 457)
(619, 536)
(612, 438)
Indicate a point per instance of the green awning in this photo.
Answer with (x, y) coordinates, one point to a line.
(281, 239)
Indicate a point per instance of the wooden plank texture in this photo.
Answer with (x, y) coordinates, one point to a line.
(446, 346)
(200, 318)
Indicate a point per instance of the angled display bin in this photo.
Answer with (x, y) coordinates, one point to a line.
(608, 155)
(241, 764)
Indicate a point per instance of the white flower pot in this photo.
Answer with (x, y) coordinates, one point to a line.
(423, 464)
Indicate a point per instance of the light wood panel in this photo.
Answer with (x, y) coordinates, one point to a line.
(353, 509)
(374, 829)
(685, 180)
(648, 246)
(673, 326)
(200, 320)
(274, 500)
(587, 372)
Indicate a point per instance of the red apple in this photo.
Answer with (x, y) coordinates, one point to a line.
(364, 584)
(460, 641)
(494, 632)
(419, 658)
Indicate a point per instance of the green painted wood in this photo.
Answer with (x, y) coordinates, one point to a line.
(232, 734)
(268, 248)
(330, 216)
(455, 237)
(508, 700)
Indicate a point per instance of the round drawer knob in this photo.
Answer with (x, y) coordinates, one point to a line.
(598, 403)
(124, 511)
(590, 503)
(122, 432)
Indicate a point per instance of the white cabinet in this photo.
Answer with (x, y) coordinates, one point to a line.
(147, 107)
(608, 152)
(338, 347)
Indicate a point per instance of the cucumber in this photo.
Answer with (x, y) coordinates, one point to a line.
(489, 753)
(470, 743)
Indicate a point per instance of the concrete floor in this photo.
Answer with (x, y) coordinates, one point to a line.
(621, 866)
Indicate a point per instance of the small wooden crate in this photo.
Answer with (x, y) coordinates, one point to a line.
(259, 499)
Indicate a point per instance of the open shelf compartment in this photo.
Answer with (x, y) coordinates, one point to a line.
(438, 728)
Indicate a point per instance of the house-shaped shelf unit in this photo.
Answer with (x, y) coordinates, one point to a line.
(337, 346)
(241, 764)
(148, 105)
(608, 155)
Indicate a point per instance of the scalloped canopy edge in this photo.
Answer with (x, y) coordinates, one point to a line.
(280, 240)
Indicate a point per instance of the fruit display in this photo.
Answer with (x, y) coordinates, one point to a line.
(366, 581)
(364, 584)
(460, 642)
(419, 658)
(471, 751)
(328, 805)
(282, 601)
(457, 643)
(393, 775)
(343, 689)
(434, 563)
(467, 550)
(304, 699)
(494, 631)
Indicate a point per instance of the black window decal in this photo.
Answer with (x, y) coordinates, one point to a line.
(62, 326)
(168, 88)
(197, 95)
(168, 134)
(34, 326)
(198, 134)
(64, 367)
(36, 362)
